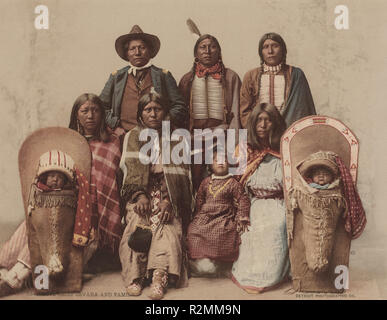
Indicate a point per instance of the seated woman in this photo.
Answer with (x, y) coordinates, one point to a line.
(221, 215)
(88, 118)
(158, 197)
(263, 255)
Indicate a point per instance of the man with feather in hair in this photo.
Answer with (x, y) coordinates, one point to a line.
(210, 90)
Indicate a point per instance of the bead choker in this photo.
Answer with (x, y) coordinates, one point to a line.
(273, 69)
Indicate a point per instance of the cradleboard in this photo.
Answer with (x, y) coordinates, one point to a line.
(50, 227)
(304, 138)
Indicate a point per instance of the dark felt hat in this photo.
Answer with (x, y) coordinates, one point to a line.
(136, 33)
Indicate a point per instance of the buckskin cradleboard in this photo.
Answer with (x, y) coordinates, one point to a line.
(317, 237)
(50, 215)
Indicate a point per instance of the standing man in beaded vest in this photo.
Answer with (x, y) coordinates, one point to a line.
(277, 83)
(125, 87)
(211, 91)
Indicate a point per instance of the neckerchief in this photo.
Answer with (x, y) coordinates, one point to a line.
(215, 71)
(133, 69)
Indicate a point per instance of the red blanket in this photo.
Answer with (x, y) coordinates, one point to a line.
(355, 220)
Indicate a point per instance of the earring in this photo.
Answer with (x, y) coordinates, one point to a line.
(196, 60)
(142, 122)
(79, 127)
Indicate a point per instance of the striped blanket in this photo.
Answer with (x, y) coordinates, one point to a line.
(136, 177)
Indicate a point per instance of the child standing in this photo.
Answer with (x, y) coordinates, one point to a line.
(221, 215)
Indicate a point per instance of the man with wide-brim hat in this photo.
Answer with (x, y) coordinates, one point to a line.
(125, 87)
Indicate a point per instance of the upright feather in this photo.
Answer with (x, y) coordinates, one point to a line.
(192, 27)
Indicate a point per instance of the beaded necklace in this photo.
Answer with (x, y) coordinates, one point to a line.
(214, 192)
(272, 69)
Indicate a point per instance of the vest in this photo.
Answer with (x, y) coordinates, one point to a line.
(132, 94)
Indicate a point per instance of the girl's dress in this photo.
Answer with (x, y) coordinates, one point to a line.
(220, 203)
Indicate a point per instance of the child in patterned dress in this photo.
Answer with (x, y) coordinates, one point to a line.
(221, 216)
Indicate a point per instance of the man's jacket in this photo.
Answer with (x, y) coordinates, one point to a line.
(163, 83)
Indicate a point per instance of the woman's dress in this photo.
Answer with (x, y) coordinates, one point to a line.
(165, 251)
(263, 255)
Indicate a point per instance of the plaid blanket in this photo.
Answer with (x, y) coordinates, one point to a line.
(105, 192)
(355, 219)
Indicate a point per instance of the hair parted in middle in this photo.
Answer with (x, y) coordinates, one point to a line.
(278, 128)
(275, 37)
(102, 131)
(146, 99)
(212, 38)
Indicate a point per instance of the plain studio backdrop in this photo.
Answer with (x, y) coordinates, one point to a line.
(43, 71)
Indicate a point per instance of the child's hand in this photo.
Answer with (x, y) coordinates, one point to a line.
(242, 226)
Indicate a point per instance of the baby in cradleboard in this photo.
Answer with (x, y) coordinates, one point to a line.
(52, 203)
(52, 180)
(321, 177)
(12, 280)
(221, 216)
(325, 195)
